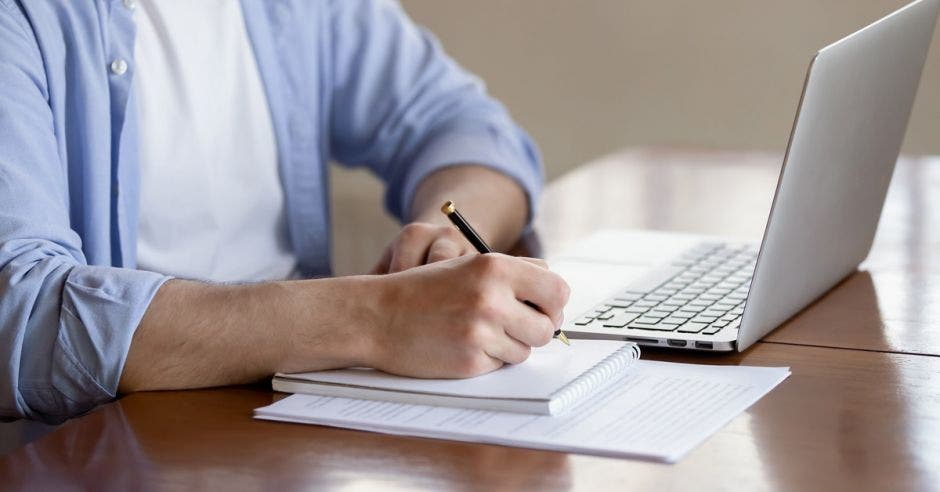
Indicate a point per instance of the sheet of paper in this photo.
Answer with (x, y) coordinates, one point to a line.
(655, 410)
(547, 370)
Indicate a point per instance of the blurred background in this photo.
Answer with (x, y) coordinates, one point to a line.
(589, 77)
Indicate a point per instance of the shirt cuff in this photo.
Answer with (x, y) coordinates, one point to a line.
(489, 147)
(101, 309)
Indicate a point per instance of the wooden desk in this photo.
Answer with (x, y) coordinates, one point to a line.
(891, 305)
(852, 416)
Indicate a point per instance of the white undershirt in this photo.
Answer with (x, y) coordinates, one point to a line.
(211, 201)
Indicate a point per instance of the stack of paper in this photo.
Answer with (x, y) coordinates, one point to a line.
(652, 410)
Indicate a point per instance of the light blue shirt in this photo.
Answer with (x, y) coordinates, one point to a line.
(349, 80)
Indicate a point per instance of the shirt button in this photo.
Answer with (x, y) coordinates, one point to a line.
(130, 4)
(118, 66)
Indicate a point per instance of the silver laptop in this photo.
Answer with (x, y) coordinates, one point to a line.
(720, 295)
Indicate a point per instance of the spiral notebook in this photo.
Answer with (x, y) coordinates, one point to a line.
(549, 382)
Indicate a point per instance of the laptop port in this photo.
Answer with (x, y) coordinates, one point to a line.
(704, 345)
(677, 343)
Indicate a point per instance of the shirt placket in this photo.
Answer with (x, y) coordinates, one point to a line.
(119, 50)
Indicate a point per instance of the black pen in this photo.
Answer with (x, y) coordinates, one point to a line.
(451, 212)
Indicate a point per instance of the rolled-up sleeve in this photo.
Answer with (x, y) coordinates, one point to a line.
(405, 109)
(65, 326)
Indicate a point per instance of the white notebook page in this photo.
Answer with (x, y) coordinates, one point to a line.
(547, 370)
(654, 410)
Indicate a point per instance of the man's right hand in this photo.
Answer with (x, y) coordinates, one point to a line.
(463, 317)
(455, 318)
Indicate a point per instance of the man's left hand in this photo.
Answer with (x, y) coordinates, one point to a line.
(420, 243)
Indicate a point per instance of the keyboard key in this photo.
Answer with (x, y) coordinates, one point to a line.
(653, 279)
(650, 320)
(674, 320)
(700, 302)
(658, 313)
(619, 304)
(655, 297)
(692, 327)
(651, 326)
(682, 315)
(636, 309)
(605, 316)
(703, 319)
(711, 330)
(691, 309)
(629, 296)
(620, 321)
(584, 321)
(672, 301)
(714, 312)
(665, 308)
(645, 303)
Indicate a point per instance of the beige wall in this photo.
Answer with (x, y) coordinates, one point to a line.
(587, 77)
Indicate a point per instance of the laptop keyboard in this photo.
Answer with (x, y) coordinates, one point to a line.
(702, 291)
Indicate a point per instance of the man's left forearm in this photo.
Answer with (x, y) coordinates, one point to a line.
(494, 203)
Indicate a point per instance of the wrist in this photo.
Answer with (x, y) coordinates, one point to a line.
(335, 325)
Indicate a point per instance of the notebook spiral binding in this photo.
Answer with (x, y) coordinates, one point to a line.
(593, 378)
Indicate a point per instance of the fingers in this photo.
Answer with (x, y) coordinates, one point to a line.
(419, 243)
(444, 249)
(382, 266)
(509, 350)
(535, 261)
(529, 326)
(407, 256)
(529, 281)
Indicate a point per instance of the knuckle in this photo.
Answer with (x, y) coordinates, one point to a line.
(488, 264)
(472, 335)
(472, 364)
(453, 234)
(519, 356)
(485, 306)
(398, 264)
(545, 334)
(413, 230)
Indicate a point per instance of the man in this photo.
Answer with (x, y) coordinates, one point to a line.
(147, 142)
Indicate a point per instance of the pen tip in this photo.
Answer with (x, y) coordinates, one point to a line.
(448, 207)
(564, 338)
